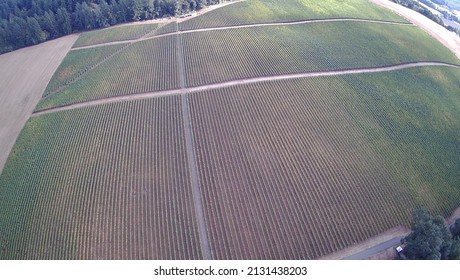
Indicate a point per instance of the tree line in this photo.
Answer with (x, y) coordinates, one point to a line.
(29, 22)
(431, 238)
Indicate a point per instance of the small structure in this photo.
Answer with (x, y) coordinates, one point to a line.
(400, 251)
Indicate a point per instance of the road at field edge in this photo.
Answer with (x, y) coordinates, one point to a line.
(447, 38)
(246, 26)
(375, 250)
(145, 95)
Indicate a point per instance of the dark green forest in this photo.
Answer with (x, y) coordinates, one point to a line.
(29, 22)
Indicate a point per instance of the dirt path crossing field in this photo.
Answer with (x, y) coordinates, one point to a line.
(144, 95)
(309, 21)
(24, 75)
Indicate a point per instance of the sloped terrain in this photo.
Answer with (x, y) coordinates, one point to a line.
(288, 141)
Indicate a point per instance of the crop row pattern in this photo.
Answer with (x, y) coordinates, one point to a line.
(106, 182)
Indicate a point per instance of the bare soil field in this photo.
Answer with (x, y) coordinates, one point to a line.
(24, 76)
(447, 38)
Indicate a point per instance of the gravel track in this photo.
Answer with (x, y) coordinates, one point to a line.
(191, 157)
(184, 90)
(247, 26)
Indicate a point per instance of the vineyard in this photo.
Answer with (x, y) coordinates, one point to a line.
(144, 66)
(224, 55)
(300, 169)
(167, 152)
(164, 29)
(265, 11)
(311, 165)
(77, 63)
(125, 160)
(113, 34)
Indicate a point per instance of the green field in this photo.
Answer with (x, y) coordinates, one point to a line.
(344, 157)
(144, 66)
(106, 182)
(113, 34)
(225, 55)
(265, 11)
(418, 112)
(315, 165)
(295, 168)
(77, 63)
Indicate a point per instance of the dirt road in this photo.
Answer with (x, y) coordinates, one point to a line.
(447, 38)
(24, 75)
(144, 95)
(375, 249)
(245, 26)
(371, 246)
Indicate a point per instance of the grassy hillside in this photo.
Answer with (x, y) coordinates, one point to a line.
(291, 169)
(264, 11)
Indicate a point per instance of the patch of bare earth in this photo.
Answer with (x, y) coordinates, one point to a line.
(399, 231)
(454, 216)
(447, 38)
(24, 75)
(388, 254)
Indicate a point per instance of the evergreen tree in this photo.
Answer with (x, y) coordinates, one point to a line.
(430, 238)
(139, 10)
(17, 26)
(34, 32)
(49, 24)
(27, 22)
(63, 21)
(455, 229)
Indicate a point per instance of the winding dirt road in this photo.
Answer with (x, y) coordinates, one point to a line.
(144, 95)
(144, 38)
(245, 26)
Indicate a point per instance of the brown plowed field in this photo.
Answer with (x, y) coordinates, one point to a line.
(24, 75)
